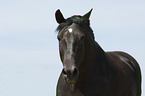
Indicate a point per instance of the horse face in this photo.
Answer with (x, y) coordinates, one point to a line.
(71, 46)
(71, 38)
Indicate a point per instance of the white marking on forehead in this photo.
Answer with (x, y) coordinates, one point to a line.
(70, 30)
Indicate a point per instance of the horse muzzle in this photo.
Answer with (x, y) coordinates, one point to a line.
(70, 75)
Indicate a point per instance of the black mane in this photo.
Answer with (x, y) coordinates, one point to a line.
(75, 19)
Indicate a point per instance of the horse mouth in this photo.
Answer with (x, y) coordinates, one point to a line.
(69, 80)
(70, 76)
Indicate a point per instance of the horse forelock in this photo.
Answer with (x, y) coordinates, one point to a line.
(70, 20)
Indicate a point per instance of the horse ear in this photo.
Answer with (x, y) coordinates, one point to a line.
(59, 17)
(87, 15)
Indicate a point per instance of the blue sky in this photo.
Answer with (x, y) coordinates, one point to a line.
(29, 57)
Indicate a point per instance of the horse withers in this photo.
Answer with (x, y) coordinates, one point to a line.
(87, 69)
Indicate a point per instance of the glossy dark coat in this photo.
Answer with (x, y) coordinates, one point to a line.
(87, 69)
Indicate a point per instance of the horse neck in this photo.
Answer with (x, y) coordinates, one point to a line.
(95, 60)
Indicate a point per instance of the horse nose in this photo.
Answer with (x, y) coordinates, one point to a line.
(70, 72)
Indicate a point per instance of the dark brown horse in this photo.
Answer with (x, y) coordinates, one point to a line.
(87, 69)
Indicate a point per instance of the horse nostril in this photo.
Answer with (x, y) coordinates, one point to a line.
(63, 71)
(75, 71)
(72, 71)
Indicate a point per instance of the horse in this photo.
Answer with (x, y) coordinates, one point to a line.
(87, 69)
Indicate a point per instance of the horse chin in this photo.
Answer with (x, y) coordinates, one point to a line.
(71, 81)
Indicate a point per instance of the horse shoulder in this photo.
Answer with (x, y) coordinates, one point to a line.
(123, 59)
(128, 71)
